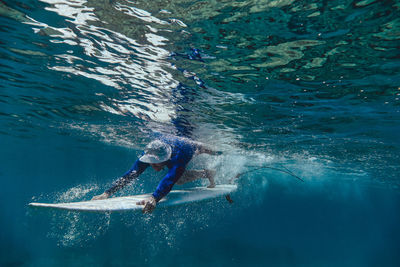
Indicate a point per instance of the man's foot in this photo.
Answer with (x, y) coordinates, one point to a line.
(210, 176)
(228, 197)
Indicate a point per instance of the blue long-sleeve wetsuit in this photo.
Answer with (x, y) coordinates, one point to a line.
(182, 152)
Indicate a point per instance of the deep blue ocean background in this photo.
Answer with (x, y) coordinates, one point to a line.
(311, 86)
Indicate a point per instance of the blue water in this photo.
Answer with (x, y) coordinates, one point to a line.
(311, 86)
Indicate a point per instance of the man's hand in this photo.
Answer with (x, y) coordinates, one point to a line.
(149, 204)
(102, 196)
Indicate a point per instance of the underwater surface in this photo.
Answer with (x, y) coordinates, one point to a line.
(312, 87)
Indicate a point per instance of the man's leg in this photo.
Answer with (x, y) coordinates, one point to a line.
(192, 175)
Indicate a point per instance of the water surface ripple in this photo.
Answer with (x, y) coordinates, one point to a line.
(315, 77)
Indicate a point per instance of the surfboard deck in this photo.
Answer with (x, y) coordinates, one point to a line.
(175, 197)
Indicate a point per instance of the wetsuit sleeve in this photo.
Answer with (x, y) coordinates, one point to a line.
(179, 163)
(133, 173)
(166, 184)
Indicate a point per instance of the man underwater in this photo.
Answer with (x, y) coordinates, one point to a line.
(173, 152)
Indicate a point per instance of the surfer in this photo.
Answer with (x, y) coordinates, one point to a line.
(172, 152)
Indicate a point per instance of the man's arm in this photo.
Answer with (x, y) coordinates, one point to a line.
(133, 173)
(122, 182)
(166, 184)
(163, 188)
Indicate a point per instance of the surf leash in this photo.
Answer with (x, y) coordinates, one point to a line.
(284, 170)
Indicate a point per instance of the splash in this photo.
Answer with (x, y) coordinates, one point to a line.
(74, 229)
(76, 193)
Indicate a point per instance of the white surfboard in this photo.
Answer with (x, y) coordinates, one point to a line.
(175, 197)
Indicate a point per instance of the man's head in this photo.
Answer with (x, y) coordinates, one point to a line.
(156, 154)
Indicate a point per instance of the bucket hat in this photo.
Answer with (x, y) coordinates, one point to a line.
(156, 152)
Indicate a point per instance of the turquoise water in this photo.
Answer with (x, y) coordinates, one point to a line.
(312, 86)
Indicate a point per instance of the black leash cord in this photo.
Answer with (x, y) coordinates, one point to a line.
(268, 167)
